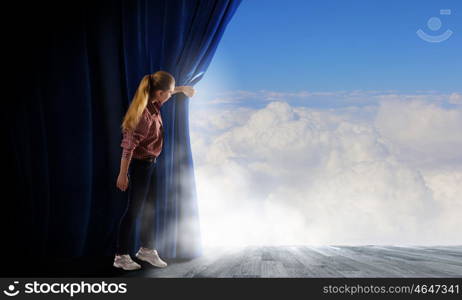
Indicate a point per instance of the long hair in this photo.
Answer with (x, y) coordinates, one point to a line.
(150, 83)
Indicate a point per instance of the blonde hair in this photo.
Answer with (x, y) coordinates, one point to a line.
(150, 83)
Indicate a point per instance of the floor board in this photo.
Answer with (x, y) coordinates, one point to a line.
(314, 261)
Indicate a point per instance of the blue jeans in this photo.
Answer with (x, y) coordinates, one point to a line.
(140, 188)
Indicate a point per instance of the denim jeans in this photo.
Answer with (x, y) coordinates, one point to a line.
(141, 195)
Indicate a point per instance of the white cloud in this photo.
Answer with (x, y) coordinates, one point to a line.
(328, 98)
(426, 135)
(386, 174)
(455, 98)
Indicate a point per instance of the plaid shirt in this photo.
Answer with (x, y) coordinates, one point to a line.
(147, 139)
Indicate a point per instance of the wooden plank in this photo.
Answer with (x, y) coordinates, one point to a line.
(251, 265)
(418, 263)
(234, 268)
(369, 265)
(435, 255)
(316, 261)
(216, 267)
(273, 269)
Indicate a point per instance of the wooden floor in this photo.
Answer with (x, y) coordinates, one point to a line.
(315, 261)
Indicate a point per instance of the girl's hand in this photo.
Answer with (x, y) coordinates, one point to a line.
(122, 182)
(188, 91)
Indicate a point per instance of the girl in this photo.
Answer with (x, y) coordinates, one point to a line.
(142, 143)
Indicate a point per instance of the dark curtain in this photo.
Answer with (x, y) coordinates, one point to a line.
(77, 66)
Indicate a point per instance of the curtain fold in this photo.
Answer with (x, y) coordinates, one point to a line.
(83, 67)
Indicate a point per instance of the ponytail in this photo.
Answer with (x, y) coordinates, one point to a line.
(150, 83)
(138, 104)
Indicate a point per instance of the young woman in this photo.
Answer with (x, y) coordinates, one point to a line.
(142, 143)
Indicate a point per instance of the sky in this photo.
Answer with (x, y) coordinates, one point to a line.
(327, 46)
(332, 122)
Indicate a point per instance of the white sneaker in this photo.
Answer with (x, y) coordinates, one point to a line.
(151, 257)
(125, 262)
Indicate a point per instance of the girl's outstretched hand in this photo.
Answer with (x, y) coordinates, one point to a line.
(188, 90)
(122, 182)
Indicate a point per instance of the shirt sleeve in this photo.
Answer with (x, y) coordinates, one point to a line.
(131, 138)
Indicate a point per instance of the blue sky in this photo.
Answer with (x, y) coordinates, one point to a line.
(338, 45)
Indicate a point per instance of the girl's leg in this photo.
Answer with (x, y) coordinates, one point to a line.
(147, 222)
(140, 175)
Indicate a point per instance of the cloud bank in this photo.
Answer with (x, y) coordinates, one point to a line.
(389, 173)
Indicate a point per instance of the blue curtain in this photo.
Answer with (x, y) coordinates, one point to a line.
(76, 73)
